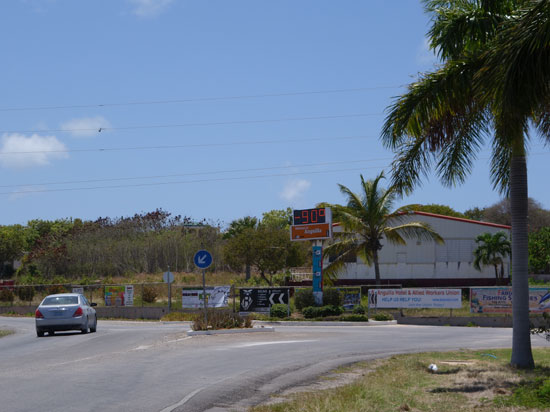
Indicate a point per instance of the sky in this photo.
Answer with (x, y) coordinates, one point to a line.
(209, 109)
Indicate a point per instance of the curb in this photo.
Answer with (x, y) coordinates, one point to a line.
(229, 331)
(327, 323)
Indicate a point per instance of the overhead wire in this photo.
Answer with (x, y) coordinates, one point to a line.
(192, 145)
(196, 99)
(195, 173)
(197, 124)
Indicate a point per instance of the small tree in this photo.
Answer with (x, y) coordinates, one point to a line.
(492, 250)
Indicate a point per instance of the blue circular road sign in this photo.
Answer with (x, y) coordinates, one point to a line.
(202, 259)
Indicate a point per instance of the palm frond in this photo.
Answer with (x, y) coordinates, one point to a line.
(414, 230)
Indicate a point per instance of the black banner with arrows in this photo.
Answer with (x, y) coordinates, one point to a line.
(260, 300)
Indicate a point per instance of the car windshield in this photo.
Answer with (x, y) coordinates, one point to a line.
(60, 300)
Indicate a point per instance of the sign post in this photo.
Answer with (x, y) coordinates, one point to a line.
(202, 260)
(168, 278)
(314, 225)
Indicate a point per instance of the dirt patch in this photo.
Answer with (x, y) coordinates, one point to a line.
(335, 379)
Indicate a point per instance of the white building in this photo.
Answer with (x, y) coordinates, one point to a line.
(422, 263)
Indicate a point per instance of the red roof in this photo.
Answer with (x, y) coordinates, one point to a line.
(458, 219)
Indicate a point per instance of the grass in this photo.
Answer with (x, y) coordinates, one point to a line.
(5, 332)
(465, 381)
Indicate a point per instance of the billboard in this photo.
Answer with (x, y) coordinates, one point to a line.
(415, 298)
(350, 297)
(119, 295)
(260, 300)
(216, 297)
(499, 300)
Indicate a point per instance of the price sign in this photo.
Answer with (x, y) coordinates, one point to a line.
(312, 216)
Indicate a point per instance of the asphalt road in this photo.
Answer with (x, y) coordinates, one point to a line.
(151, 366)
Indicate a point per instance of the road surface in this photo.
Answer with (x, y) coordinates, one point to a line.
(152, 366)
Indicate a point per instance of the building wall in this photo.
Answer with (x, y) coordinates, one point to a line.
(428, 260)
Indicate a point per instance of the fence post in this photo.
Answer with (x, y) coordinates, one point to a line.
(142, 295)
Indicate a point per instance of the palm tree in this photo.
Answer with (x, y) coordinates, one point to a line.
(492, 250)
(242, 227)
(478, 94)
(366, 221)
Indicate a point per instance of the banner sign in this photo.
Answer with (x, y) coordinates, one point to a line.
(415, 298)
(78, 290)
(350, 297)
(499, 300)
(119, 295)
(260, 300)
(216, 297)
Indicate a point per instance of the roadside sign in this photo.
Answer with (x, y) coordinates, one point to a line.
(168, 277)
(260, 300)
(314, 231)
(202, 259)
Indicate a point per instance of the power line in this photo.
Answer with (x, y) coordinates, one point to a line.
(185, 181)
(163, 126)
(194, 145)
(195, 173)
(196, 99)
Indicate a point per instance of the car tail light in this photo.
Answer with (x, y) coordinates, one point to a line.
(38, 314)
(78, 312)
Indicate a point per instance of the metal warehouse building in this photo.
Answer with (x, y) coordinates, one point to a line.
(426, 263)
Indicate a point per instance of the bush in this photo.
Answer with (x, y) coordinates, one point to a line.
(303, 298)
(25, 293)
(55, 289)
(6, 295)
(383, 316)
(149, 294)
(331, 296)
(359, 310)
(354, 318)
(278, 310)
(312, 312)
(221, 319)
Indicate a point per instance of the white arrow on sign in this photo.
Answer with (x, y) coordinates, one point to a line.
(202, 259)
(281, 296)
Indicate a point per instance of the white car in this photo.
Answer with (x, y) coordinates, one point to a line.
(65, 311)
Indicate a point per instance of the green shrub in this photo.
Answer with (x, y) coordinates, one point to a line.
(359, 310)
(278, 310)
(303, 298)
(221, 319)
(149, 294)
(6, 295)
(25, 293)
(354, 318)
(312, 312)
(331, 296)
(383, 316)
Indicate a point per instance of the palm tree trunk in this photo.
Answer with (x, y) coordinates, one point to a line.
(376, 266)
(522, 356)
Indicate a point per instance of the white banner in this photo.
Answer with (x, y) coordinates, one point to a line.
(129, 295)
(415, 298)
(216, 297)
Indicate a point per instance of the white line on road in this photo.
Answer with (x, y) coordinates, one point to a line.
(276, 342)
(182, 402)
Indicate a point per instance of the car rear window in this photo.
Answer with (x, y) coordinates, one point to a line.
(60, 300)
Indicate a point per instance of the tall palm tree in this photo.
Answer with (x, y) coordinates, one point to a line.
(445, 117)
(492, 250)
(366, 220)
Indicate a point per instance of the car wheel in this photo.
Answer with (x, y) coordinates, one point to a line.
(94, 328)
(39, 333)
(85, 328)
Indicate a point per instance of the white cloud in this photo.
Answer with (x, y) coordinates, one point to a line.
(149, 8)
(86, 126)
(30, 151)
(295, 189)
(424, 55)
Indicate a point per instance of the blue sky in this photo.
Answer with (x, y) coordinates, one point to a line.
(208, 109)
